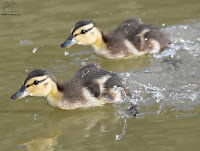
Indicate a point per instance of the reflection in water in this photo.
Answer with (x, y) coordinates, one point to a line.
(136, 63)
(74, 125)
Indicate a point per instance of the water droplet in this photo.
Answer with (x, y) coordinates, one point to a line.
(117, 137)
(127, 74)
(34, 50)
(83, 63)
(66, 53)
(163, 24)
(35, 116)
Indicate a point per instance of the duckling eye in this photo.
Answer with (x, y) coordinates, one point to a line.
(83, 31)
(36, 82)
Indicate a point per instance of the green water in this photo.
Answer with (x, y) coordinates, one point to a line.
(168, 97)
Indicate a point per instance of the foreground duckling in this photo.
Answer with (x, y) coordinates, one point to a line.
(131, 38)
(91, 86)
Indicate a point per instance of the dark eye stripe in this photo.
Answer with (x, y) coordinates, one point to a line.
(83, 31)
(36, 82)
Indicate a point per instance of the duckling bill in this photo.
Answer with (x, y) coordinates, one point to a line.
(131, 38)
(91, 86)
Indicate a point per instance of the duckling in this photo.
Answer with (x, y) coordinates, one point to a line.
(131, 38)
(91, 86)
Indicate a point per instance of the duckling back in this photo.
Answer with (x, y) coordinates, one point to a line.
(93, 86)
(136, 38)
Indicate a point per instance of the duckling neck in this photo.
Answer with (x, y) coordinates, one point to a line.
(55, 96)
(99, 44)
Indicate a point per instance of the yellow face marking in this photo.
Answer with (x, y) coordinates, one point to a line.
(86, 27)
(41, 89)
(90, 37)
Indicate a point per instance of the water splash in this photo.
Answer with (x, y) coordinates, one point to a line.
(185, 37)
(26, 42)
(120, 136)
(126, 108)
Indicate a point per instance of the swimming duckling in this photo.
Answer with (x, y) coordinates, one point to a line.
(131, 38)
(91, 86)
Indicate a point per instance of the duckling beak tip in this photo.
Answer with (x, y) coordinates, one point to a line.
(22, 92)
(69, 42)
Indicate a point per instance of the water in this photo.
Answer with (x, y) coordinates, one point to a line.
(166, 86)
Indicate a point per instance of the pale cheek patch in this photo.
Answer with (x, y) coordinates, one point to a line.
(82, 43)
(82, 39)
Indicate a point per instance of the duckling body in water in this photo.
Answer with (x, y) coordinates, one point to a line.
(131, 38)
(91, 86)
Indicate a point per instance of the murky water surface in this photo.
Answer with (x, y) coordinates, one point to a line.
(166, 85)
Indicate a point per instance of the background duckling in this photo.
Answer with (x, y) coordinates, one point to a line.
(131, 38)
(91, 86)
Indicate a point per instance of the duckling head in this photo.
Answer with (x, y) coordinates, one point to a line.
(84, 32)
(38, 83)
